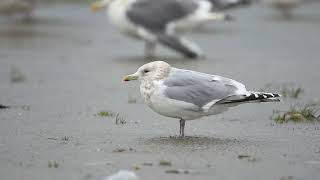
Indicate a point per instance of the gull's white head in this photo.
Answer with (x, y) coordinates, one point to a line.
(96, 6)
(151, 71)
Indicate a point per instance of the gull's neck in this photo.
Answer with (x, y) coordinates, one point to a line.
(147, 88)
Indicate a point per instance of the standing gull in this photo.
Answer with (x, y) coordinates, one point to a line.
(158, 21)
(189, 95)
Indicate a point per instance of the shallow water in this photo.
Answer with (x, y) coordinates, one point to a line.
(73, 62)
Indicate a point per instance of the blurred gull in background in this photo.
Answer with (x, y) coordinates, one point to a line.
(189, 95)
(284, 6)
(21, 8)
(158, 21)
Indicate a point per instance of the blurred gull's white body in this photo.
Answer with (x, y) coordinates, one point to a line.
(116, 12)
(158, 22)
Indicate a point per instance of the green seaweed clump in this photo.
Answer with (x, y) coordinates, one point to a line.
(16, 75)
(307, 113)
(104, 114)
(165, 163)
(116, 116)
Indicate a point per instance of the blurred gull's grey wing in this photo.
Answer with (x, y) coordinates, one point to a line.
(155, 15)
(200, 89)
(228, 4)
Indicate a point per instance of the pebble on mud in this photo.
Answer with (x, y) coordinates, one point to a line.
(147, 164)
(165, 163)
(243, 156)
(248, 158)
(177, 171)
(53, 164)
(4, 107)
(136, 167)
(118, 150)
(65, 138)
(286, 178)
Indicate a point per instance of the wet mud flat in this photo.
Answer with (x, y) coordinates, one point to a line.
(70, 116)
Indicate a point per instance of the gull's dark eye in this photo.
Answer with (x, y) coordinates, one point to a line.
(146, 71)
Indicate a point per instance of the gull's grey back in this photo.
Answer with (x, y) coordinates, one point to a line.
(198, 88)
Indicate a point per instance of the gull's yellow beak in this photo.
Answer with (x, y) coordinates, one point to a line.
(96, 6)
(130, 77)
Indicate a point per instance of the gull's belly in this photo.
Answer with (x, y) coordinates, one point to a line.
(173, 108)
(179, 109)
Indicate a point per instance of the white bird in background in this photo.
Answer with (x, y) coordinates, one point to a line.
(158, 21)
(122, 175)
(189, 95)
(284, 6)
(22, 8)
